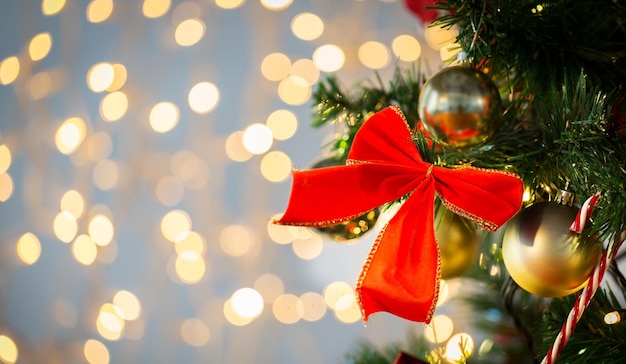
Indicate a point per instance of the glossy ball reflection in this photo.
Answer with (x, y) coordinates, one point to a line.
(457, 241)
(459, 106)
(543, 256)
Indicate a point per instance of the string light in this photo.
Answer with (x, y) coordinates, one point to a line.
(614, 317)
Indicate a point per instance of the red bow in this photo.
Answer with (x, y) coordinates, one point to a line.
(419, 8)
(401, 275)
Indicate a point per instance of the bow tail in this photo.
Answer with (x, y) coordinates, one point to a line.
(402, 272)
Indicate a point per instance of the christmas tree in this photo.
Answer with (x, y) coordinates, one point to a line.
(508, 166)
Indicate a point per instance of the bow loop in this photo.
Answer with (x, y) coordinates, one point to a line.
(466, 190)
(384, 141)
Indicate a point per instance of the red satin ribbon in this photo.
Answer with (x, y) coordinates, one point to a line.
(401, 275)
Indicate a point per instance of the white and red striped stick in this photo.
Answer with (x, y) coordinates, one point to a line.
(590, 289)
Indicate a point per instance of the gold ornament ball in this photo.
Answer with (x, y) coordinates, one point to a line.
(459, 106)
(458, 243)
(543, 256)
(351, 229)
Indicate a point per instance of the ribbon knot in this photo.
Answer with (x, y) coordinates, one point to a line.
(430, 170)
(402, 272)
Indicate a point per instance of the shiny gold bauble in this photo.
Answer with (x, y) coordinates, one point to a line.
(543, 256)
(458, 243)
(351, 229)
(459, 106)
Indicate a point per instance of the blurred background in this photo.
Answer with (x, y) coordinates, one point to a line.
(145, 147)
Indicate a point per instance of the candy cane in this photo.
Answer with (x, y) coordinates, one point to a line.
(584, 213)
(583, 300)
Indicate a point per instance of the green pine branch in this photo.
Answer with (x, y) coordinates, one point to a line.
(352, 107)
(537, 42)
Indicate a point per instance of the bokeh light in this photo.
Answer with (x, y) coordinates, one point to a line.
(437, 37)
(6, 186)
(406, 48)
(191, 246)
(190, 269)
(374, 55)
(235, 150)
(164, 117)
(101, 230)
(100, 76)
(444, 291)
(189, 32)
(40, 85)
(276, 5)
(275, 66)
(329, 58)
(459, 347)
(314, 306)
(155, 8)
(305, 69)
(439, 329)
(40, 46)
(283, 124)
(127, 305)
(270, 286)
(281, 234)
(449, 51)
(294, 90)
(229, 4)
(96, 352)
(28, 248)
(64, 226)
(307, 26)
(334, 292)
(247, 302)
(99, 10)
(288, 308)
(9, 70)
(175, 225)
(232, 316)
(257, 138)
(52, 7)
(348, 310)
(119, 77)
(109, 324)
(73, 202)
(203, 97)
(8, 349)
(105, 174)
(195, 332)
(276, 166)
(114, 106)
(308, 247)
(5, 158)
(70, 135)
(236, 240)
(84, 250)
